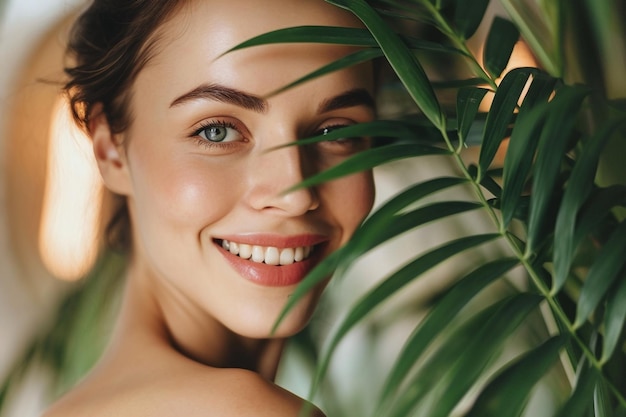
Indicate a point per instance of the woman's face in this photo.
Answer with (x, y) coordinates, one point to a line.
(213, 228)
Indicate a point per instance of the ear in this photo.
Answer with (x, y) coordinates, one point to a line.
(109, 152)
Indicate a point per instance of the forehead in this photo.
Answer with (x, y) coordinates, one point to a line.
(199, 32)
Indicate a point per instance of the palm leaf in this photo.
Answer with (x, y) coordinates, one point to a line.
(333, 35)
(523, 144)
(470, 366)
(362, 242)
(467, 103)
(502, 37)
(369, 159)
(435, 367)
(442, 313)
(507, 394)
(581, 399)
(390, 286)
(560, 120)
(468, 15)
(502, 114)
(578, 189)
(604, 272)
(464, 370)
(355, 58)
(614, 318)
(402, 60)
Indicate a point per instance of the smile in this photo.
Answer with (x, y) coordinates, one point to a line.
(269, 255)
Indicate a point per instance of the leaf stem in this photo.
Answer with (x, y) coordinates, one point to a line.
(526, 261)
(459, 43)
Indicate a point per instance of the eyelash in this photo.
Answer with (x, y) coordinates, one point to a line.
(345, 142)
(214, 123)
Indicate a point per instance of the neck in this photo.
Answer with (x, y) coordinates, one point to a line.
(155, 315)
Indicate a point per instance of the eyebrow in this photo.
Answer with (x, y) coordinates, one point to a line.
(352, 98)
(223, 94)
(217, 92)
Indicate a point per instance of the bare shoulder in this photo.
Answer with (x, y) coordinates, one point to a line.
(245, 393)
(188, 391)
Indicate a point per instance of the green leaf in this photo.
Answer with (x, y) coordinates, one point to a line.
(518, 161)
(401, 59)
(470, 366)
(364, 240)
(385, 228)
(335, 36)
(355, 58)
(596, 210)
(523, 143)
(507, 393)
(601, 400)
(602, 274)
(454, 345)
(312, 34)
(540, 29)
(438, 318)
(407, 197)
(540, 90)
(578, 188)
(581, 399)
(323, 270)
(614, 319)
(502, 37)
(391, 285)
(408, 132)
(491, 185)
(468, 82)
(369, 159)
(465, 369)
(562, 115)
(468, 15)
(467, 103)
(501, 114)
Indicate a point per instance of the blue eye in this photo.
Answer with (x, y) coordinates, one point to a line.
(216, 132)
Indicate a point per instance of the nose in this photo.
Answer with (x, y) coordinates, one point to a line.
(272, 173)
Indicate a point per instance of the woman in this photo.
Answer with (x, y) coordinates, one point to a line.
(186, 136)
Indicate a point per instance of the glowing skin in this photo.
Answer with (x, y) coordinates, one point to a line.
(206, 192)
(184, 191)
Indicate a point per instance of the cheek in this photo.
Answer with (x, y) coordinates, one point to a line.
(185, 192)
(352, 200)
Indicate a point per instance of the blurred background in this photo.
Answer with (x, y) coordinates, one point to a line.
(51, 211)
(31, 39)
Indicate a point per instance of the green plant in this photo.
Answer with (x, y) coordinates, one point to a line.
(555, 201)
(555, 204)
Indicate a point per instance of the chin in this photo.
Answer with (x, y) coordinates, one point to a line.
(260, 324)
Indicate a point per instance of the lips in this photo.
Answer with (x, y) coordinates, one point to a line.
(270, 260)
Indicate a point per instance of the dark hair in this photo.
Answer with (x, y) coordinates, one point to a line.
(110, 42)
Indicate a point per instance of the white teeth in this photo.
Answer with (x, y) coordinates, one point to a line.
(272, 256)
(233, 248)
(268, 254)
(258, 254)
(299, 254)
(245, 251)
(286, 256)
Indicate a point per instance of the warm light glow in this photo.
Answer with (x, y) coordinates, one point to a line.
(520, 57)
(68, 235)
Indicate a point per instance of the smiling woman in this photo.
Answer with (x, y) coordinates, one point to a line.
(188, 139)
